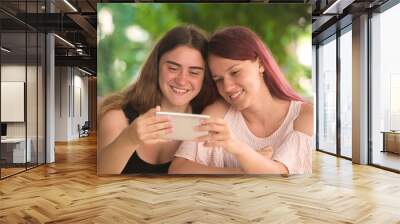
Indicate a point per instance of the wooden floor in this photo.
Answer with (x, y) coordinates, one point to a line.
(5, 172)
(388, 159)
(10, 171)
(69, 191)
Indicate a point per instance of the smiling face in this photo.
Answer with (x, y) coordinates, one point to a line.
(238, 82)
(181, 74)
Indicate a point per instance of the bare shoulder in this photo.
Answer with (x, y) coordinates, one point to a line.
(113, 119)
(111, 124)
(217, 109)
(305, 121)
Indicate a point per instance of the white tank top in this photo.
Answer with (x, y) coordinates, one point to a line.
(291, 147)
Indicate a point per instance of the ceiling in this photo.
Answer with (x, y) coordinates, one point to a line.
(76, 22)
(330, 15)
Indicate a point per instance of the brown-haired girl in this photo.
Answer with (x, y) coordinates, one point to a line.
(173, 78)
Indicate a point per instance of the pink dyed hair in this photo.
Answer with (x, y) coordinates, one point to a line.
(240, 43)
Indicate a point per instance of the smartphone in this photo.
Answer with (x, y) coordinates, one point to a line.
(184, 125)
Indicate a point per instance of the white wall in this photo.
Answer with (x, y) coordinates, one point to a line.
(34, 124)
(61, 103)
(71, 93)
(14, 73)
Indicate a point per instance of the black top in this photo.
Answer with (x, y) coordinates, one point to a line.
(135, 164)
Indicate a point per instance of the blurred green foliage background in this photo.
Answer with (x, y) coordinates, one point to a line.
(128, 31)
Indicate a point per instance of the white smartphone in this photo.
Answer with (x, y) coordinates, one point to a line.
(183, 125)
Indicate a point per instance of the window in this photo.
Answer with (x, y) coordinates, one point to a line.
(346, 75)
(327, 96)
(385, 87)
(22, 68)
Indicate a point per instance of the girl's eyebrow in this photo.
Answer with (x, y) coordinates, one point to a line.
(230, 67)
(196, 67)
(173, 63)
(191, 67)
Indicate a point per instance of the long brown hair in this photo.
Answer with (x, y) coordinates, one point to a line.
(145, 93)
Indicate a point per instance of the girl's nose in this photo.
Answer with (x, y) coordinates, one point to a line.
(181, 78)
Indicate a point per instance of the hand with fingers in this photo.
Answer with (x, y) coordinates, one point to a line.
(149, 128)
(219, 135)
(267, 152)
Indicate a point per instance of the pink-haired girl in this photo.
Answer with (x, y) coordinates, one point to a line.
(260, 111)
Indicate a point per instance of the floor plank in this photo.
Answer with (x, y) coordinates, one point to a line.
(69, 191)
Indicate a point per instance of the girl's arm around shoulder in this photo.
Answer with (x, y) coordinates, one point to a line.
(305, 121)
